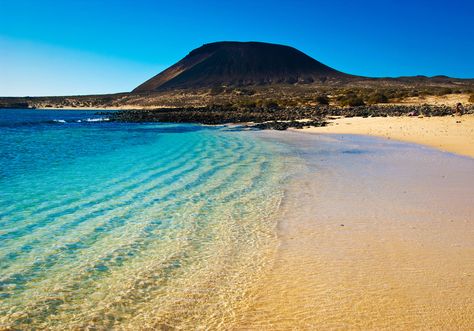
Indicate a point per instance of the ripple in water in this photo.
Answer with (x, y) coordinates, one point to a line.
(118, 225)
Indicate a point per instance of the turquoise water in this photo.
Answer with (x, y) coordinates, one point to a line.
(122, 225)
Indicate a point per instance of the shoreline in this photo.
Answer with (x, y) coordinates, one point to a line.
(454, 134)
(363, 231)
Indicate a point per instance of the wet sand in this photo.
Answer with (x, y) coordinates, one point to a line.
(374, 234)
(450, 133)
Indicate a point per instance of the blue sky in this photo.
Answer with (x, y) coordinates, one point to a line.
(102, 46)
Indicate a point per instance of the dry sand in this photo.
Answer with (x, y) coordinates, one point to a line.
(450, 133)
(374, 234)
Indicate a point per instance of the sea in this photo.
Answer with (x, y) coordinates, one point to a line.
(132, 225)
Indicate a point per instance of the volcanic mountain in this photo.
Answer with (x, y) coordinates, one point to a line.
(240, 63)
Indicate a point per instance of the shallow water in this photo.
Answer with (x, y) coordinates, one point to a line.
(124, 225)
(373, 235)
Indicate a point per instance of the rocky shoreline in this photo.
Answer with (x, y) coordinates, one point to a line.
(275, 117)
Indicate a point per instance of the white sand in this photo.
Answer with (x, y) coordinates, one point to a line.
(449, 133)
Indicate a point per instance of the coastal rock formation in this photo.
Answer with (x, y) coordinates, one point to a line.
(277, 118)
(241, 64)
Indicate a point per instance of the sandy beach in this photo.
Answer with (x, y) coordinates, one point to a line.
(374, 234)
(453, 134)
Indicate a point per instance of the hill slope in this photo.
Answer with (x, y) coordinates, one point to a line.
(240, 63)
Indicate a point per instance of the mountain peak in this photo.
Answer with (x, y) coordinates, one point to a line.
(232, 63)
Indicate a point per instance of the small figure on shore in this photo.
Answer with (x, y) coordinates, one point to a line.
(459, 109)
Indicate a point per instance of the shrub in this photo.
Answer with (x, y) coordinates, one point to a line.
(322, 99)
(471, 98)
(350, 99)
(444, 91)
(270, 104)
(267, 103)
(377, 98)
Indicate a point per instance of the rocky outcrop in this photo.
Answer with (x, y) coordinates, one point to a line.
(274, 117)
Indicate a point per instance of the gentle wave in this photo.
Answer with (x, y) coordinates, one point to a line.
(99, 119)
(53, 122)
(93, 119)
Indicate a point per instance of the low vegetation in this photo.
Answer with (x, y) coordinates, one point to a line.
(377, 98)
(444, 91)
(351, 99)
(322, 99)
(268, 97)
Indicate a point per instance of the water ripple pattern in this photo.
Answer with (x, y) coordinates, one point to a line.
(131, 226)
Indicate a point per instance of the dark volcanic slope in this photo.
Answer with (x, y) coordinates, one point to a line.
(240, 63)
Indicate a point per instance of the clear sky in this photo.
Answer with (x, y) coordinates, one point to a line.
(100, 46)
